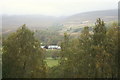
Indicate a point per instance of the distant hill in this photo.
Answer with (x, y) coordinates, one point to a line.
(10, 23)
(30, 20)
(89, 18)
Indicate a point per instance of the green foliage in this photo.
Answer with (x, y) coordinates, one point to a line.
(48, 37)
(91, 55)
(99, 46)
(113, 49)
(54, 53)
(51, 62)
(22, 56)
(55, 72)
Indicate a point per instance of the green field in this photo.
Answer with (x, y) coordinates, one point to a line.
(52, 57)
(51, 62)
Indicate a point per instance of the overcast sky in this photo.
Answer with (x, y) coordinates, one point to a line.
(54, 7)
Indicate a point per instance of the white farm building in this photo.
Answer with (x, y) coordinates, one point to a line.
(51, 47)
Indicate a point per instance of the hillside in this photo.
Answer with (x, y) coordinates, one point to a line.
(11, 23)
(88, 18)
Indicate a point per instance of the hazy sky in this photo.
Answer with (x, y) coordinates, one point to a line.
(54, 7)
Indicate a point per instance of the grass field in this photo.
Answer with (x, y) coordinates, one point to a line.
(51, 62)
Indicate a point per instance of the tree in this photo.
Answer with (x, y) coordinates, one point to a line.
(65, 57)
(99, 49)
(85, 53)
(113, 49)
(75, 55)
(22, 55)
(91, 55)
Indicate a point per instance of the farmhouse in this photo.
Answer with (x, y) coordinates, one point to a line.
(51, 47)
